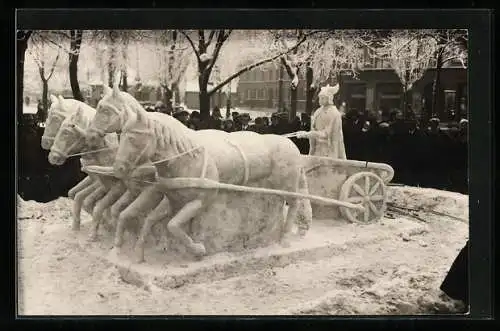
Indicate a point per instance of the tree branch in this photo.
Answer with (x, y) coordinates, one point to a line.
(250, 67)
(287, 66)
(193, 46)
(201, 41)
(221, 38)
(54, 65)
(210, 37)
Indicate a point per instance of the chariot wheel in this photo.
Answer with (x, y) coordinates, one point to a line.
(367, 189)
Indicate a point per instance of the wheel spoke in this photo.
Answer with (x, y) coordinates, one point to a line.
(374, 188)
(355, 199)
(377, 198)
(367, 214)
(374, 208)
(358, 189)
(367, 184)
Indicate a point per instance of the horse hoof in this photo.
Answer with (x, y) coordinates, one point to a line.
(199, 249)
(75, 227)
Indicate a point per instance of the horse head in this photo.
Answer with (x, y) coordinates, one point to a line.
(111, 112)
(70, 138)
(137, 144)
(59, 110)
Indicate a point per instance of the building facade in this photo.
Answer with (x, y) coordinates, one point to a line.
(378, 88)
(264, 86)
(375, 87)
(219, 99)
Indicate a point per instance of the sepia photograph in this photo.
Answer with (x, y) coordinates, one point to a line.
(242, 172)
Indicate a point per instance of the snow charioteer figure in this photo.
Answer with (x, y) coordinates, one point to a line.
(326, 137)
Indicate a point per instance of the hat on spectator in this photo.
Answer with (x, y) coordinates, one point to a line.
(245, 117)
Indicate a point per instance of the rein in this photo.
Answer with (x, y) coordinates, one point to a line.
(93, 151)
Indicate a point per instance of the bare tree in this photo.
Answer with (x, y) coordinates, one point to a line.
(329, 54)
(174, 57)
(124, 66)
(207, 53)
(114, 40)
(23, 36)
(75, 45)
(409, 53)
(451, 46)
(38, 51)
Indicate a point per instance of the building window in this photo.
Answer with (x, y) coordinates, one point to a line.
(270, 93)
(249, 94)
(449, 105)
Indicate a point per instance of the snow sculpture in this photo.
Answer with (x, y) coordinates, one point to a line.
(205, 219)
(70, 141)
(326, 137)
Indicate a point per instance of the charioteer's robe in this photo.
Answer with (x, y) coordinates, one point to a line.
(327, 121)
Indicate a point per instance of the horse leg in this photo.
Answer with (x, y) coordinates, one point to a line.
(146, 200)
(111, 197)
(158, 214)
(120, 205)
(77, 204)
(80, 186)
(184, 215)
(90, 201)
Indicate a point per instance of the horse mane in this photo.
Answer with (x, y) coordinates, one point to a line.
(167, 130)
(72, 105)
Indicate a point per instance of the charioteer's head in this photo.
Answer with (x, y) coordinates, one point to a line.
(326, 94)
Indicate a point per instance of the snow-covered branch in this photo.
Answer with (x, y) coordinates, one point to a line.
(259, 63)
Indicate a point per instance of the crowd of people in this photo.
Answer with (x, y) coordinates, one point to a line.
(422, 154)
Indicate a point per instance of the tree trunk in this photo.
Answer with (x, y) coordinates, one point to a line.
(75, 44)
(405, 100)
(280, 89)
(204, 96)
(22, 45)
(309, 90)
(167, 98)
(204, 105)
(112, 59)
(228, 106)
(124, 80)
(45, 101)
(293, 104)
(436, 86)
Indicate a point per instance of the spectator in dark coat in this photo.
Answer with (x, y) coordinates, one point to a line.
(456, 282)
(229, 126)
(182, 116)
(244, 119)
(259, 126)
(194, 120)
(216, 119)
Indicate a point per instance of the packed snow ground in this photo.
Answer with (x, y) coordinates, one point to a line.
(397, 274)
